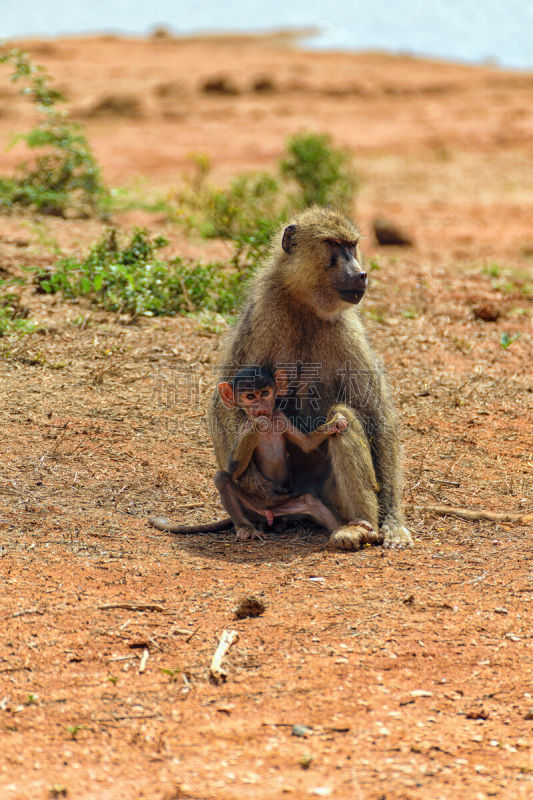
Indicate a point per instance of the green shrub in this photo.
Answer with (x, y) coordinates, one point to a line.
(247, 213)
(323, 173)
(133, 280)
(63, 177)
(254, 205)
(13, 316)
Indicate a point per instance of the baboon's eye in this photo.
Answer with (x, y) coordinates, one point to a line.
(250, 396)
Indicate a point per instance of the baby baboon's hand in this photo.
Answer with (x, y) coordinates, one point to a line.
(338, 424)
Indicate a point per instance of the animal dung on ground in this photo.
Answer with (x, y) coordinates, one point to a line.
(263, 84)
(249, 606)
(219, 84)
(486, 312)
(115, 105)
(388, 233)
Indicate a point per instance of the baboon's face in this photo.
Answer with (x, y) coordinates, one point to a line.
(323, 268)
(344, 272)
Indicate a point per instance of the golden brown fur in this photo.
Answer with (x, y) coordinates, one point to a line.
(294, 315)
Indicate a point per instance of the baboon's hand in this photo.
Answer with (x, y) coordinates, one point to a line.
(338, 424)
(395, 535)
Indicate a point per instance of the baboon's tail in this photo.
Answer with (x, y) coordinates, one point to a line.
(163, 524)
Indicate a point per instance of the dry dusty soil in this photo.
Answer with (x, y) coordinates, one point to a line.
(409, 673)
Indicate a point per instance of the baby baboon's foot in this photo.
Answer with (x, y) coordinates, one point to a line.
(353, 536)
(246, 534)
(395, 535)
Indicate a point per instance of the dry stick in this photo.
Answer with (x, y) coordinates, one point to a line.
(125, 716)
(216, 671)
(190, 304)
(144, 661)
(466, 513)
(132, 607)
(27, 611)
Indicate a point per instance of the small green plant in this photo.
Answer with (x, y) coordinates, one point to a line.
(323, 173)
(13, 316)
(73, 730)
(58, 790)
(133, 280)
(172, 673)
(510, 280)
(493, 270)
(65, 176)
(305, 760)
(376, 314)
(210, 322)
(506, 340)
(32, 699)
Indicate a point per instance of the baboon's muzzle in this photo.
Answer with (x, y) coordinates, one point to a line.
(353, 289)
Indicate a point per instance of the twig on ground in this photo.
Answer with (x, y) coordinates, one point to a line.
(192, 633)
(126, 716)
(144, 661)
(216, 672)
(132, 607)
(471, 514)
(470, 580)
(27, 611)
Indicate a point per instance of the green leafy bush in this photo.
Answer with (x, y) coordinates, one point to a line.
(63, 177)
(13, 316)
(247, 213)
(134, 280)
(323, 173)
(254, 205)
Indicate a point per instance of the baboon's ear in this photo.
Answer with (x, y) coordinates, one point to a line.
(288, 242)
(227, 395)
(282, 384)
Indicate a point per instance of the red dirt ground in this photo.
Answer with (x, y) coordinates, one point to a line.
(411, 670)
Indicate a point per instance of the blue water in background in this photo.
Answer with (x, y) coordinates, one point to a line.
(471, 31)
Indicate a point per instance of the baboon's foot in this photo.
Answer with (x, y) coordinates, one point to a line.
(395, 535)
(246, 534)
(353, 536)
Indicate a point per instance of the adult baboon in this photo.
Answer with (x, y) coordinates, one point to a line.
(301, 316)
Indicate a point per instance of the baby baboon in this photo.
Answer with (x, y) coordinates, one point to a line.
(300, 316)
(263, 438)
